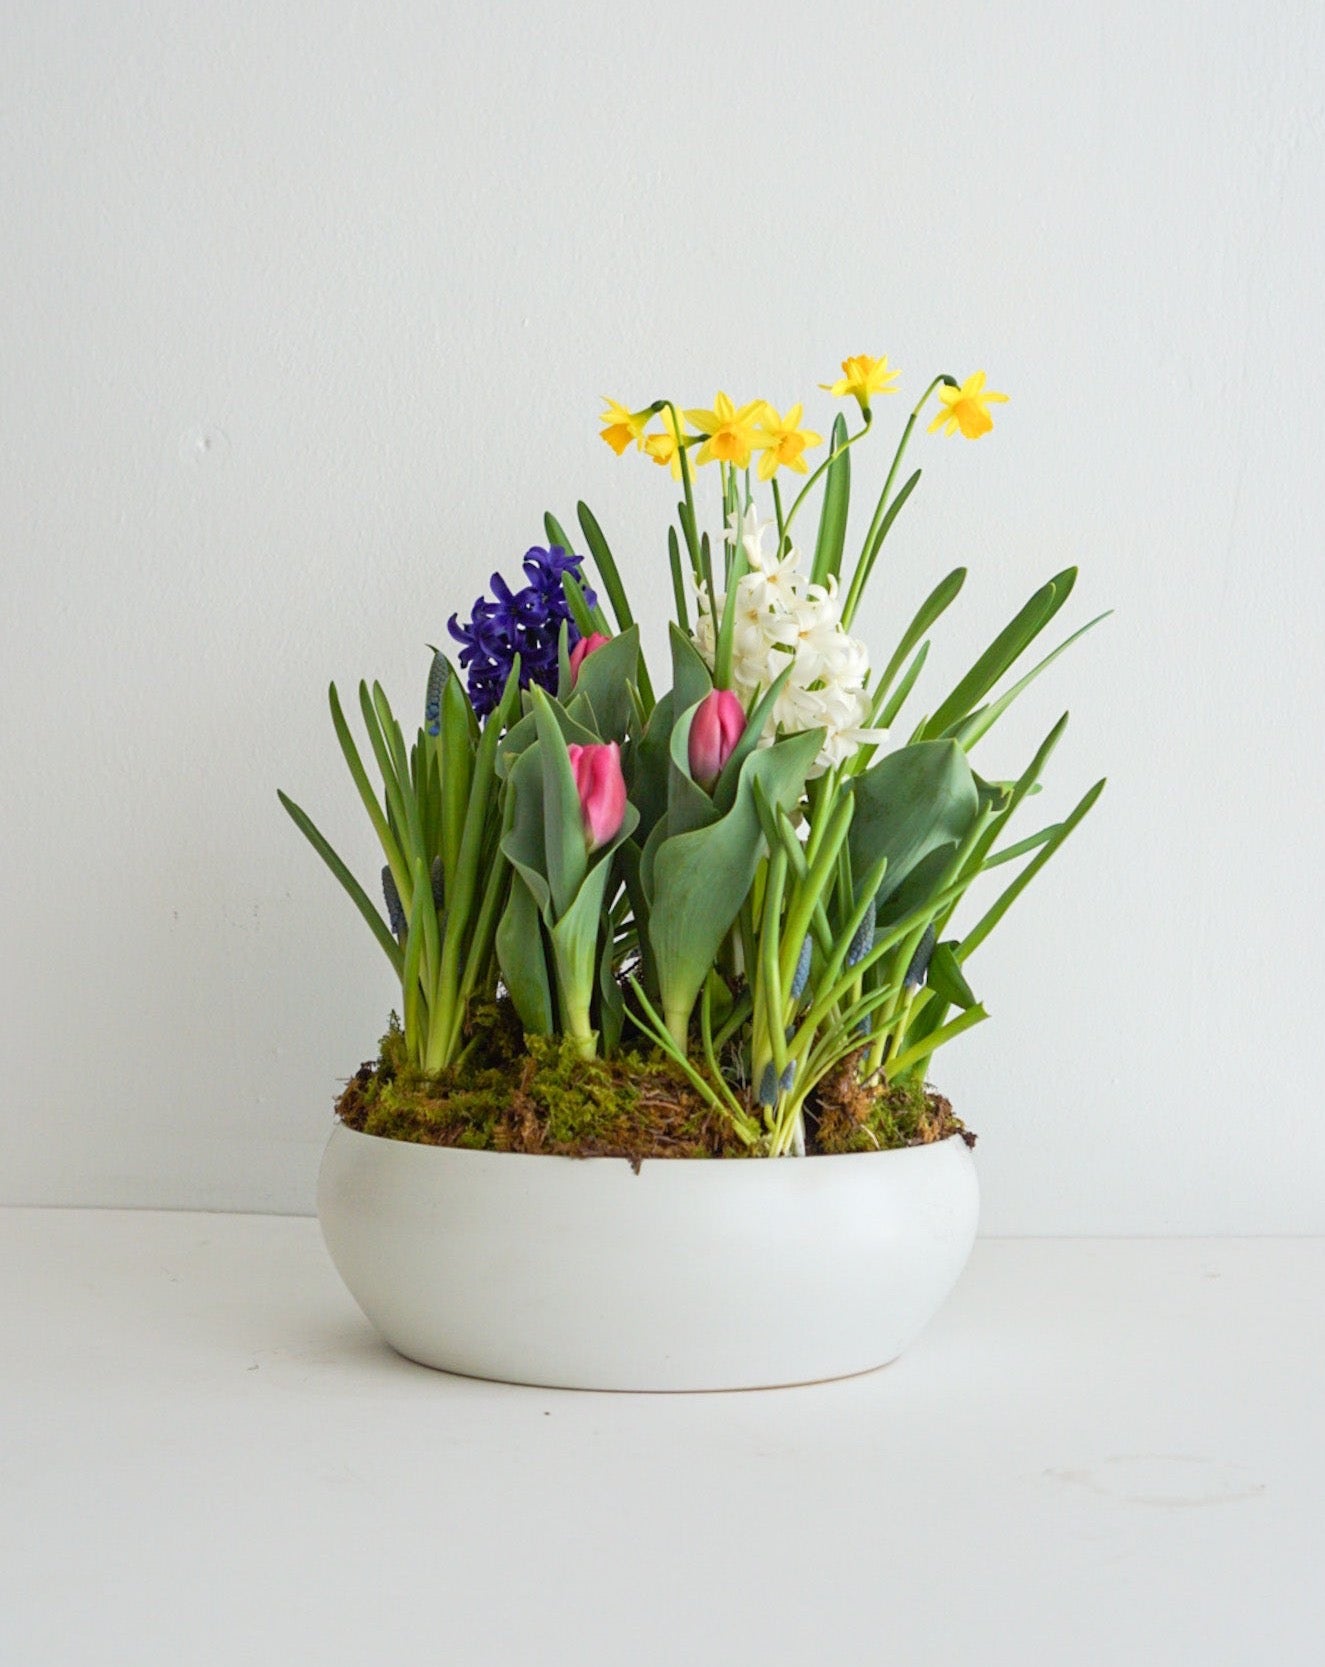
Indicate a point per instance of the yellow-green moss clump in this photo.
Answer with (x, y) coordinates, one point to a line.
(512, 1093)
(515, 1093)
(851, 1116)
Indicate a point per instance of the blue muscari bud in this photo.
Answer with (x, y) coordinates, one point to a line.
(438, 883)
(918, 971)
(788, 1077)
(395, 911)
(802, 974)
(863, 941)
(768, 1085)
(432, 706)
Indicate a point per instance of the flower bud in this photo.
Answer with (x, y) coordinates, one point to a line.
(602, 790)
(582, 650)
(718, 725)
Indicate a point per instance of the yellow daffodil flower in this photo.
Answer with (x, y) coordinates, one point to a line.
(623, 427)
(861, 377)
(731, 433)
(783, 442)
(965, 408)
(665, 448)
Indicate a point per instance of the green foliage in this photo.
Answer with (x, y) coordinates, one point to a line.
(785, 948)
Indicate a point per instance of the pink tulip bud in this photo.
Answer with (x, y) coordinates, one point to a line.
(583, 649)
(602, 790)
(718, 725)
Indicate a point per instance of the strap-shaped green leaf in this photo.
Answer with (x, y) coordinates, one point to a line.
(1006, 648)
(606, 565)
(987, 922)
(357, 895)
(836, 505)
(946, 979)
(979, 723)
(935, 605)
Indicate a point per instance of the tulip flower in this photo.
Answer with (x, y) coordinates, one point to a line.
(583, 649)
(717, 726)
(602, 790)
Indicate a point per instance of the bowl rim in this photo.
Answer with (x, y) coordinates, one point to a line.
(655, 1165)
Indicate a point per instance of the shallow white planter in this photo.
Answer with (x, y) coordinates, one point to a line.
(580, 1273)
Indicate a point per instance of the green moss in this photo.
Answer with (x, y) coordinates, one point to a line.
(851, 1116)
(509, 1092)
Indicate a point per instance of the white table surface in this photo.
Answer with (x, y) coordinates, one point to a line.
(1101, 1452)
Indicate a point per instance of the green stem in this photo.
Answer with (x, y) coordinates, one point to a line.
(868, 549)
(822, 469)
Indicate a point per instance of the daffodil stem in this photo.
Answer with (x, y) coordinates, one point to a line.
(872, 538)
(821, 470)
(777, 510)
(687, 485)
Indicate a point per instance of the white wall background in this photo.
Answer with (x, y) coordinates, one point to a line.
(304, 313)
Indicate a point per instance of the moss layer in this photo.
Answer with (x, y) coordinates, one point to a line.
(512, 1093)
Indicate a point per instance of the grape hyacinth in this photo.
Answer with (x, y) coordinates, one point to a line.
(526, 622)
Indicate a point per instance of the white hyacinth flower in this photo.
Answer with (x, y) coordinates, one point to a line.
(781, 615)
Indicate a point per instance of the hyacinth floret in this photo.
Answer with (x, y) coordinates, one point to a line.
(526, 622)
(781, 615)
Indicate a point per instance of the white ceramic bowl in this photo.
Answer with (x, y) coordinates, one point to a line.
(580, 1273)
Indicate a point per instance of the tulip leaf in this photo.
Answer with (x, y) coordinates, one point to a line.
(647, 765)
(724, 789)
(563, 817)
(688, 805)
(522, 960)
(604, 681)
(910, 803)
(701, 877)
(691, 679)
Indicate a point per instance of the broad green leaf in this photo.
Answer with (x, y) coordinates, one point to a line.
(691, 680)
(908, 804)
(700, 878)
(647, 766)
(523, 962)
(563, 818)
(604, 681)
